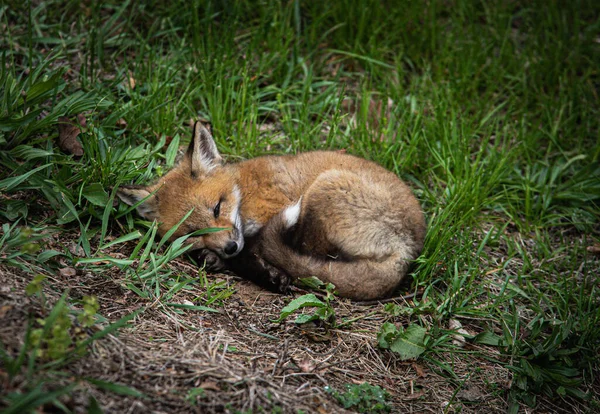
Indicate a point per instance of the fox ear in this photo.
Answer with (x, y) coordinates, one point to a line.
(203, 151)
(131, 196)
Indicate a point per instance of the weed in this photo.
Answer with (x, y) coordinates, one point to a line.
(193, 394)
(364, 398)
(408, 343)
(323, 311)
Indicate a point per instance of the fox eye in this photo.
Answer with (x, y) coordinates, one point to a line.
(217, 209)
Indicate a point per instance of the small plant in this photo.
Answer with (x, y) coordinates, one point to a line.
(56, 337)
(323, 311)
(551, 361)
(194, 394)
(90, 308)
(364, 398)
(19, 246)
(35, 286)
(215, 292)
(408, 343)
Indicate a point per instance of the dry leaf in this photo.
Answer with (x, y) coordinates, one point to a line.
(414, 396)
(595, 249)
(459, 337)
(67, 137)
(209, 385)
(131, 80)
(76, 250)
(471, 394)
(4, 310)
(419, 369)
(306, 365)
(67, 271)
(322, 410)
(81, 120)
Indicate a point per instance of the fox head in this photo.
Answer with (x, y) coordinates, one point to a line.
(200, 183)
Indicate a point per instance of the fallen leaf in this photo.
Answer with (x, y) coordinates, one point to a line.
(4, 310)
(76, 250)
(459, 337)
(419, 369)
(414, 396)
(67, 137)
(82, 120)
(67, 271)
(470, 394)
(595, 249)
(131, 80)
(306, 365)
(209, 385)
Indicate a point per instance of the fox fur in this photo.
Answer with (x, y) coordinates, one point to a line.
(343, 219)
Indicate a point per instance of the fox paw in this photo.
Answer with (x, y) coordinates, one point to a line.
(210, 260)
(276, 278)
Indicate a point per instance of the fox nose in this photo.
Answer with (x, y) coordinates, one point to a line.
(231, 247)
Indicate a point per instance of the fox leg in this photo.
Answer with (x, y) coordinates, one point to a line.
(250, 265)
(210, 260)
(347, 231)
(247, 264)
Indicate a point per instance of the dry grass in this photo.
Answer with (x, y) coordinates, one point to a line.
(240, 358)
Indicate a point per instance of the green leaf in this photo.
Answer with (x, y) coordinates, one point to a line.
(298, 303)
(208, 230)
(137, 291)
(312, 282)
(9, 183)
(116, 388)
(30, 153)
(128, 237)
(95, 194)
(8, 124)
(409, 344)
(42, 88)
(47, 255)
(192, 307)
(94, 407)
(110, 329)
(387, 334)
(171, 153)
(305, 318)
(25, 403)
(116, 262)
(69, 212)
(488, 338)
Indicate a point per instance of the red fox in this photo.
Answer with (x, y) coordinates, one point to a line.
(343, 219)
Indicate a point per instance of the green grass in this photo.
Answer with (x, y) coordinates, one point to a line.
(495, 124)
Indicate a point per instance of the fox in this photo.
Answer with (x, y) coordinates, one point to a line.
(343, 219)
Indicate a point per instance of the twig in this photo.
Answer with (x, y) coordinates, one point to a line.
(381, 301)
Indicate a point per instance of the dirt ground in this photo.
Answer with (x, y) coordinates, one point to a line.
(240, 359)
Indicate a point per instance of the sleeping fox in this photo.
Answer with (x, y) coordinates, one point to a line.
(343, 219)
